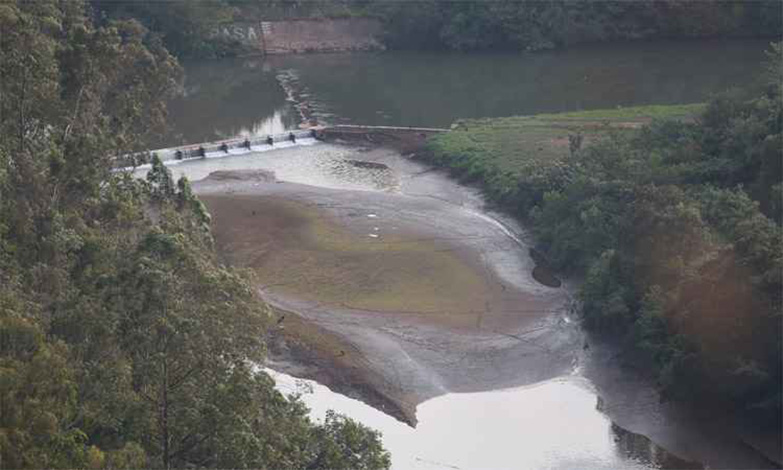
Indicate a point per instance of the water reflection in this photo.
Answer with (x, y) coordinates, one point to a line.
(434, 89)
(228, 98)
(276, 124)
(233, 97)
(552, 425)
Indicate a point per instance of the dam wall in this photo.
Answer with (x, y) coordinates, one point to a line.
(404, 139)
(304, 35)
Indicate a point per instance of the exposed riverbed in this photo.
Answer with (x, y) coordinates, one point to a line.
(402, 290)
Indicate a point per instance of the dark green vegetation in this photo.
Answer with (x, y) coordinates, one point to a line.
(184, 26)
(124, 343)
(461, 25)
(536, 25)
(675, 226)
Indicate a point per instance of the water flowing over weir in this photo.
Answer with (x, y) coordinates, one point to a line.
(231, 147)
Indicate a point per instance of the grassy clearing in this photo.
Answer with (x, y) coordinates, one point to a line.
(515, 144)
(516, 159)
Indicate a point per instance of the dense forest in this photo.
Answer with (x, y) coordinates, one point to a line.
(462, 25)
(675, 228)
(536, 25)
(124, 343)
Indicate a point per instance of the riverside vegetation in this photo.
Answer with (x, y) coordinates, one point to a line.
(674, 224)
(185, 25)
(124, 343)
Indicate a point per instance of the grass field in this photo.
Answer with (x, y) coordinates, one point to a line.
(518, 144)
(514, 156)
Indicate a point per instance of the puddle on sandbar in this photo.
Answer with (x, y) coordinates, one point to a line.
(552, 425)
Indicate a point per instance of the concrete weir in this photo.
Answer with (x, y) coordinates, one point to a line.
(230, 146)
(403, 139)
(219, 148)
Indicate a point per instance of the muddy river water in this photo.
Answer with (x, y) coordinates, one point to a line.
(426, 298)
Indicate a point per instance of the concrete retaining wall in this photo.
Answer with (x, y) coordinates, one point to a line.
(404, 139)
(320, 35)
(304, 35)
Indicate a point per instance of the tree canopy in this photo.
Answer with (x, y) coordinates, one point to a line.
(124, 342)
(676, 228)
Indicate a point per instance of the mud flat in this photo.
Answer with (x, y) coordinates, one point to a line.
(410, 297)
(393, 284)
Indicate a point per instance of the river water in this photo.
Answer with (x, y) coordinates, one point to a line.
(243, 96)
(556, 419)
(552, 425)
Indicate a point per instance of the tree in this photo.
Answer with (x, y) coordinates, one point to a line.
(123, 341)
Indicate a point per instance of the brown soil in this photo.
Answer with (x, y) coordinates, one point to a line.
(298, 251)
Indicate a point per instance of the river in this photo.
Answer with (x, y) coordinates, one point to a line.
(244, 97)
(492, 364)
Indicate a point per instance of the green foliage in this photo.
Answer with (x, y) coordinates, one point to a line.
(676, 227)
(38, 398)
(531, 25)
(343, 443)
(185, 26)
(606, 298)
(124, 343)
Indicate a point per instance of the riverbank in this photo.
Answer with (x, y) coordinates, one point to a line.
(599, 191)
(515, 160)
